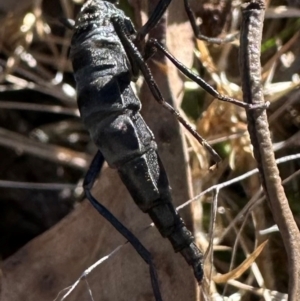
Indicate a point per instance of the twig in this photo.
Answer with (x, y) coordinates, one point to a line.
(17, 105)
(236, 180)
(251, 32)
(215, 188)
(257, 291)
(68, 290)
(38, 186)
(209, 251)
(54, 153)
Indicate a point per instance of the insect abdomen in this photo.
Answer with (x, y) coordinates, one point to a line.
(110, 111)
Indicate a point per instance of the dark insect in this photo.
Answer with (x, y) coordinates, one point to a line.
(110, 110)
(105, 61)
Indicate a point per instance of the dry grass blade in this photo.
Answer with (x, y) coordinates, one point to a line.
(238, 271)
(263, 292)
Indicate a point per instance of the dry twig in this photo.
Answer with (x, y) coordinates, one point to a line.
(251, 33)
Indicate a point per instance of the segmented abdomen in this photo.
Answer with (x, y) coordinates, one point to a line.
(110, 111)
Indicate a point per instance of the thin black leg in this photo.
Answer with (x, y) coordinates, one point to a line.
(138, 59)
(153, 19)
(89, 180)
(197, 32)
(153, 45)
(160, 10)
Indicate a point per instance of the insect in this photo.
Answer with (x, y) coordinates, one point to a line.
(109, 108)
(105, 61)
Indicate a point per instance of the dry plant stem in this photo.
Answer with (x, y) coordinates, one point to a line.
(54, 153)
(251, 32)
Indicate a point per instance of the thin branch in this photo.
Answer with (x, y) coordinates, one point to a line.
(54, 153)
(83, 276)
(38, 186)
(251, 33)
(258, 291)
(236, 180)
(17, 105)
(215, 188)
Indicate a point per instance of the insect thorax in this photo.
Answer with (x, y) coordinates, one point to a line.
(97, 13)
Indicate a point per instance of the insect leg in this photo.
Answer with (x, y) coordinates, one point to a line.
(153, 45)
(89, 180)
(197, 32)
(160, 10)
(153, 19)
(138, 59)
